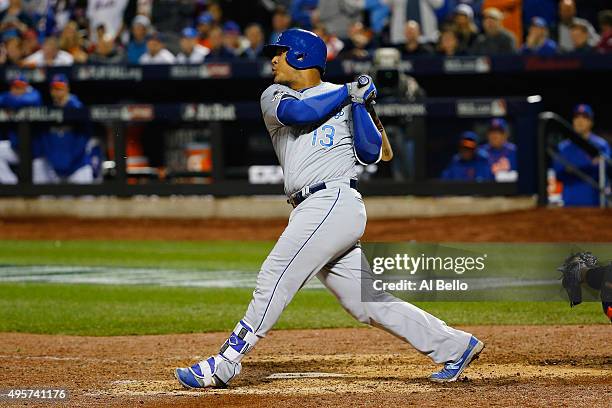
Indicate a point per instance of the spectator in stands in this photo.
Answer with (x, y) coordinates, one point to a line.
(301, 12)
(281, 21)
(338, 15)
(12, 54)
(70, 41)
(421, 11)
(156, 53)
(414, 45)
(69, 153)
(501, 153)
(378, 19)
(15, 17)
(546, 9)
(512, 16)
(467, 32)
(605, 22)
(567, 17)
(579, 34)
(218, 52)
(106, 13)
(191, 52)
(204, 24)
(232, 38)
(215, 10)
(538, 41)
(49, 55)
(470, 163)
(577, 192)
(495, 39)
(137, 46)
(29, 43)
(255, 35)
(332, 42)
(448, 44)
(106, 51)
(168, 16)
(356, 47)
(20, 95)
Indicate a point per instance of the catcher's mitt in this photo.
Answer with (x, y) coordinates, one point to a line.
(572, 274)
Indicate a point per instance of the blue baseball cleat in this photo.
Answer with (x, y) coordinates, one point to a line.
(199, 375)
(453, 369)
(187, 378)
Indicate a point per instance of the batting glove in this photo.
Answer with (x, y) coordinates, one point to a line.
(363, 90)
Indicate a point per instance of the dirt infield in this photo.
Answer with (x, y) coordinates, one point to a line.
(539, 225)
(521, 366)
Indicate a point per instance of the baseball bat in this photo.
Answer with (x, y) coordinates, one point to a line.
(387, 151)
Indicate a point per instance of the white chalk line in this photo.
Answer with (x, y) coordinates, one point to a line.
(198, 278)
(132, 276)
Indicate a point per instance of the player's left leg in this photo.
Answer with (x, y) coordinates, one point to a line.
(350, 279)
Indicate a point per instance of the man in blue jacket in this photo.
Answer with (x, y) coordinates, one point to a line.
(471, 163)
(20, 95)
(501, 153)
(577, 192)
(70, 154)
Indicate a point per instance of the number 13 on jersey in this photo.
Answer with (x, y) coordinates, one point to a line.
(324, 135)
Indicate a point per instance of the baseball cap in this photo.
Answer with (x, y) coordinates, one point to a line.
(465, 10)
(498, 124)
(20, 80)
(142, 20)
(584, 110)
(189, 32)
(468, 139)
(205, 18)
(231, 27)
(539, 22)
(59, 81)
(493, 13)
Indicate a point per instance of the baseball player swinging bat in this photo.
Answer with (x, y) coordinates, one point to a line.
(320, 131)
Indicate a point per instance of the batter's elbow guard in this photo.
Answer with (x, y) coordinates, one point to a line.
(367, 140)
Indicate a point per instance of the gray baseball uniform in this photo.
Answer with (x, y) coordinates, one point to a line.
(322, 239)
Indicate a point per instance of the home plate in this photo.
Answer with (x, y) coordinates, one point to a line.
(290, 376)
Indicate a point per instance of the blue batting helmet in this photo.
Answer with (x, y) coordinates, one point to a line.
(304, 49)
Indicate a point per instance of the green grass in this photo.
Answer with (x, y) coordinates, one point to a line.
(101, 310)
(211, 255)
(119, 310)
